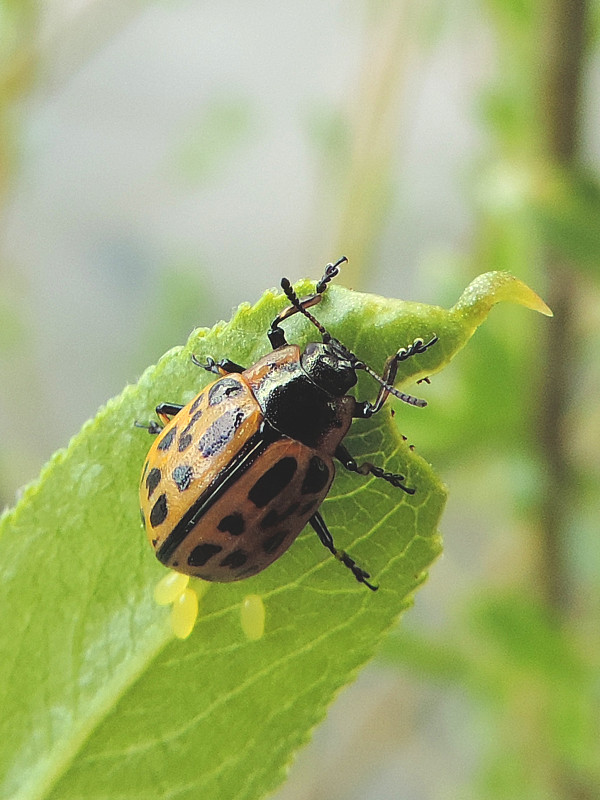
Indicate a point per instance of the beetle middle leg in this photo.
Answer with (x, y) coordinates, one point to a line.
(322, 531)
(165, 411)
(367, 468)
(223, 367)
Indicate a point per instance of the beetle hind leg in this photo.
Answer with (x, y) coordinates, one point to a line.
(166, 411)
(367, 468)
(322, 531)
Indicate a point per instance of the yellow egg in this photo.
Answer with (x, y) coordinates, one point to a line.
(252, 616)
(168, 589)
(184, 613)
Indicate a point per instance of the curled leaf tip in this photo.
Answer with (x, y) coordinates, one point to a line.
(494, 287)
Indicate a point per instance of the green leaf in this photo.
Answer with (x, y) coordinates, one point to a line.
(98, 699)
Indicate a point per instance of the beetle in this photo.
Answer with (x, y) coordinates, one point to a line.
(235, 475)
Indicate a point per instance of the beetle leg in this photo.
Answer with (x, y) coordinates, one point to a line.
(276, 334)
(222, 367)
(366, 409)
(322, 531)
(370, 469)
(163, 410)
(152, 427)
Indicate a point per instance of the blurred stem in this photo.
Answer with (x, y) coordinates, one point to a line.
(562, 65)
(18, 25)
(374, 128)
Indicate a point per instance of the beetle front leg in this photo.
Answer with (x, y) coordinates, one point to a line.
(366, 409)
(276, 334)
(367, 468)
(322, 531)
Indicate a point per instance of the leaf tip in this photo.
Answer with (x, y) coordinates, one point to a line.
(542, 307)
(495, 287)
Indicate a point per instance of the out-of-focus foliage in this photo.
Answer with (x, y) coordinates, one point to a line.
(18, 20)
(531, 670)
(538, 685)
(522, 670)
(566, 209)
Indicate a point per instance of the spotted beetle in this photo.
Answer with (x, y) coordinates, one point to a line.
(235, 475)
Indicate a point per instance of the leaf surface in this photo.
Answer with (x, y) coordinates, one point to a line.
(98, 700)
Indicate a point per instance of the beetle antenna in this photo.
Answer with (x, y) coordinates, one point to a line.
(406, 398)
(293, 298)
(331, 270)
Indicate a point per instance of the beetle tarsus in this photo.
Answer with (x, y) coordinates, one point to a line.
(153, 427)
(347, 460)
(322, 531)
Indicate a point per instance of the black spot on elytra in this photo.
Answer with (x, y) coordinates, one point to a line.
(273, 543)
(159, 511)
(196, 402)
(270, 518)
(247, 571)
(237, 558)
(152, 481)
(184, 441)
(185, 438)
(317, 476)
(273, 517)
(273, 481)
(182, 475)
(222, 389)
(167, 439)
(220, 432)
(190, 425)
(202, 553)
(232, 523)
(290, 510)
(194, 418)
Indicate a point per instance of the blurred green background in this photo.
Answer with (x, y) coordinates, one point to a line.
(161, 162)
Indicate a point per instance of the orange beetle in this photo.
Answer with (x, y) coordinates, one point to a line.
(234, 476)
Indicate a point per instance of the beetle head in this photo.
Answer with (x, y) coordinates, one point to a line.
(330, 366)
